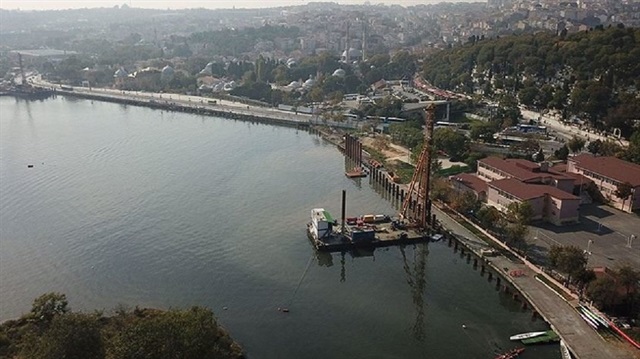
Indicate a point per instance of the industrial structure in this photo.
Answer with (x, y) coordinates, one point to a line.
(417, 198)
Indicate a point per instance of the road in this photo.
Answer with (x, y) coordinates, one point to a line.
(188, 100)
(568, 131)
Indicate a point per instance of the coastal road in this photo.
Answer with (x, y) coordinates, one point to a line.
(566, 130)
(187, 100)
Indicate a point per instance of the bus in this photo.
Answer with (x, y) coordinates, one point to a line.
(532, 129)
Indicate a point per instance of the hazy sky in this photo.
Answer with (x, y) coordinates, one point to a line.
(182, 4)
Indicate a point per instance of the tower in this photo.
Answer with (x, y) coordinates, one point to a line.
(421, 182)
(364, 39)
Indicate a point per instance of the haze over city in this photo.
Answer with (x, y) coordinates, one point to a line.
(163, 4)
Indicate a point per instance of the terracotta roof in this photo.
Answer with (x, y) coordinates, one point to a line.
(522, 169)
(526, 191)
(471, 181)
(509, 167)
(611, 167)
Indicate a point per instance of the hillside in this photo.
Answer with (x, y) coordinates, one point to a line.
(592, 76)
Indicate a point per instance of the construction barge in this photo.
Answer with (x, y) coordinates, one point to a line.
(367, 231)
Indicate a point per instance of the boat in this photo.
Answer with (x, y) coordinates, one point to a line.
(356, 172)
(321, 225)
(510, 354)
(596, 317)
(589, 321)
(564, 351)
(526, 335)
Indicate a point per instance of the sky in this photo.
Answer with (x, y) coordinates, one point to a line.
(184, 4)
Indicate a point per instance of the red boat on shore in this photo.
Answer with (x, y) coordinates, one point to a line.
(511, 354)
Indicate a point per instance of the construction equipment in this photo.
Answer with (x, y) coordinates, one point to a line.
(417, 198)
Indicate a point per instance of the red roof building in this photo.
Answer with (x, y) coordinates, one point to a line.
(608, 173)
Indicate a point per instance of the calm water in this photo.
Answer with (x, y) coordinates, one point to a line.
(133, 206)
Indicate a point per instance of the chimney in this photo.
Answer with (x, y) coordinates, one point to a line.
(344, 206)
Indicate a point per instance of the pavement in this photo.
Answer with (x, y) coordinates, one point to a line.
(603, 233)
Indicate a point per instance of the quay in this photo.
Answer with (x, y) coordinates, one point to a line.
(190, 104)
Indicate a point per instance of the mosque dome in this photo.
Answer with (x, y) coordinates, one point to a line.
(339, 73)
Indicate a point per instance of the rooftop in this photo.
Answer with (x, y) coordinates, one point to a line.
(521, 169)
(471, 181)
(611, 167)
(526, 191)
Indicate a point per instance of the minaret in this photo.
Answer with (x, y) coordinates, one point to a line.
(364, 39)
(347, 59)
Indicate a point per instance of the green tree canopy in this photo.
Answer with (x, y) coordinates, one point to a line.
(570, 260)
(450, 141)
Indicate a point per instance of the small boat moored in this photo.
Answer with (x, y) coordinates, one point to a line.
(527, 335)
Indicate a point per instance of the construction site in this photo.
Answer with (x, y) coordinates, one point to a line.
(413, 223)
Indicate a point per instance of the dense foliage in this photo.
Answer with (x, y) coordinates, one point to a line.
(593, 75)
(52, 331)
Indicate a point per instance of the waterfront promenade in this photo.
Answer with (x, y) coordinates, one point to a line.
(197, 104)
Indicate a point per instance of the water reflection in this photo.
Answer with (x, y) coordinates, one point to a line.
(415, 275)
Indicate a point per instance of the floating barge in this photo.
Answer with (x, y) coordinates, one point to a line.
(367, 231)
(356, 172)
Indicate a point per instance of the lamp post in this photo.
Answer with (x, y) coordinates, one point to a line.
(589, 247)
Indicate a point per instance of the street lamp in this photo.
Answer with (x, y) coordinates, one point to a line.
(589, 247)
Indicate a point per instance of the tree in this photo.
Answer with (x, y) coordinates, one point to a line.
(520, 212)
(576, 144)
(603, 292)
(70, 336)
(633, 152)
(629, 278)
(483, 131)
(489, 217)
(529, 95)
(450, 141)
(562, 153)
(595, 147)
(570, 260)
(187, 334)
(624, 191)
(48, 306)
(466, 202)
(516, 235)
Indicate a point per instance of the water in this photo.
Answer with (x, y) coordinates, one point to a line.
(133, 206)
